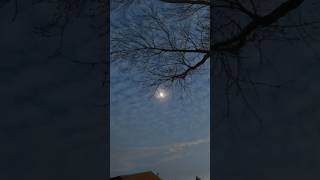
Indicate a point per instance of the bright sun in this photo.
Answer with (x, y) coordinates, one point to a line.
(161, 94)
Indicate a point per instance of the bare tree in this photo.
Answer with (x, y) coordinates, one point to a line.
(172, 42)
(162, 42)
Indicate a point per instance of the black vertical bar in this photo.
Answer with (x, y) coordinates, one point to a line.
(108, 90)
(54, 91)
(212, 99)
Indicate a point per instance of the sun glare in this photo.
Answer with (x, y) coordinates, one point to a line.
(161, 94)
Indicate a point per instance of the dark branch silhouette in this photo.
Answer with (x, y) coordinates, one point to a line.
(170, 50)
(169, 41)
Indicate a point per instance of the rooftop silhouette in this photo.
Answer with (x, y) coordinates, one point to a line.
(138, 176)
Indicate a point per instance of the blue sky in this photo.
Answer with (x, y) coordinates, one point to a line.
(170, 136)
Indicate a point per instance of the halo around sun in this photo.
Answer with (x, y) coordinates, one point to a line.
(161, 94)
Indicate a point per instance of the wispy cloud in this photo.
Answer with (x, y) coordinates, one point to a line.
(125, 160)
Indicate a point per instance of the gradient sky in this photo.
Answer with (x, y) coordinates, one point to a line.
(174, 134)
(57, 114)
(170, 137)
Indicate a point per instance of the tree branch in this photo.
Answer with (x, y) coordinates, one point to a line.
(238, 41)
(185, 73)
(199, 2)
(179, 50)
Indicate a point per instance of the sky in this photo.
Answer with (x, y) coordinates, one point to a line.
(49, 115)
(285, 147)
(169, 136)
